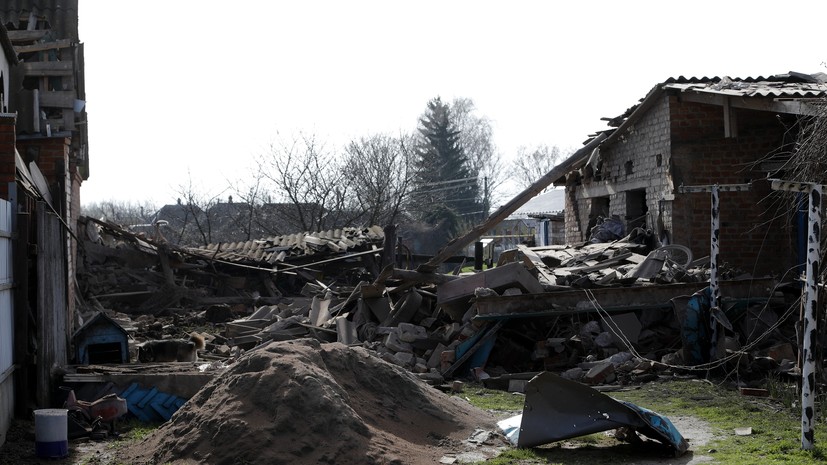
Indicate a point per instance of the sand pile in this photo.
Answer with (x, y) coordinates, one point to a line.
(297, 402)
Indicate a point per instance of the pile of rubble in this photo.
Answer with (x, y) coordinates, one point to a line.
(596, 312)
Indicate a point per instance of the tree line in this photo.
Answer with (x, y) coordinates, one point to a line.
(441, 180)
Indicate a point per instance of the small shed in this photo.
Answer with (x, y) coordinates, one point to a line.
(101, 340)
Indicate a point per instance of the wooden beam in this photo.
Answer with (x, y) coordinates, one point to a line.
(58, 99)
(791, 106)
(27, 36)
(48, 68)
(43, 46)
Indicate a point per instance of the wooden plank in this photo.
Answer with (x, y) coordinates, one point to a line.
(48, 68)
(43, 46)
(52, 306)
(27, 36)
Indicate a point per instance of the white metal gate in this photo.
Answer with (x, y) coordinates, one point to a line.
(6, 321)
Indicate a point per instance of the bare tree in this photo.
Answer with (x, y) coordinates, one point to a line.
(380, 168)
(531, 164)
(243, 215)
(310, 184)
(189, 221)
(119, 212)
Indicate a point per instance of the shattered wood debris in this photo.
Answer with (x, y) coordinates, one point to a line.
(595, 312)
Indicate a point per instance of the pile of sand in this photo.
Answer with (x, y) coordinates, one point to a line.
(299, 401)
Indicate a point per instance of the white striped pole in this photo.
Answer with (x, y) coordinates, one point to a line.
(808, 368)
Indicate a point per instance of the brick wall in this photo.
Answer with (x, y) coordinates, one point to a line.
(676, 143)
(7, 145)
(638, 161)
(52, 158)
(753, 234)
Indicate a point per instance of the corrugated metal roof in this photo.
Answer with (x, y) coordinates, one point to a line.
(552, 202)
(754, 88)
(283, 248)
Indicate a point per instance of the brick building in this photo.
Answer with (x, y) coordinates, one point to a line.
(698, 132)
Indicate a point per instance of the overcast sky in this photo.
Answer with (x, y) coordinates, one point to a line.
(180, 90)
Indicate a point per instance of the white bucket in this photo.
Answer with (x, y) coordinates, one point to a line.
(51, 433)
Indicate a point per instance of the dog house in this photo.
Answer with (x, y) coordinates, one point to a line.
(101, 340)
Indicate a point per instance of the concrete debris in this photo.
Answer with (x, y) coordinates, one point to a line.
(616, 312)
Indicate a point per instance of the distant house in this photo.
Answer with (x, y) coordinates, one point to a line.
(697, 132)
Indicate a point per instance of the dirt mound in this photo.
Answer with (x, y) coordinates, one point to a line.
(300, 401)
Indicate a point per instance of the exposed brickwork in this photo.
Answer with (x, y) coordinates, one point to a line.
(7, 144)
(676, 143)
(646, 146)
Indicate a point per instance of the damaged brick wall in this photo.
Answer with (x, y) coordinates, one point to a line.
(637, 162)
(702, 155)
(674, 143)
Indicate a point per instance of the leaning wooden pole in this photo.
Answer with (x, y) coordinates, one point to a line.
(502, 213)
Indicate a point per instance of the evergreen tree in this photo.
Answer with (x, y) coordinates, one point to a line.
(446, 192)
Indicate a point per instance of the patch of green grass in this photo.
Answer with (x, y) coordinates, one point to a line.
(492, 399)
(515, 456)
(776, 429)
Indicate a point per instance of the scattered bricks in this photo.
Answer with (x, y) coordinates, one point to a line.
(603, 372)
(420, 368)
(408, 332)
(431, 377)
(781, 352)
(517, 385)
(393, 343)
(446, 359)
(223, 350)
(457, 386)
(755, 392)
(436, 356)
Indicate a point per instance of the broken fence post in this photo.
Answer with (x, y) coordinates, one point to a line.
(810, 306)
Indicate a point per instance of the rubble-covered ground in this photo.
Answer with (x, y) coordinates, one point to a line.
(323, 351)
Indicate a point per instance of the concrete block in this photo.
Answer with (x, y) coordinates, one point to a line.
(409, 332)
(404, 358)
(393, 343)
(517, 385)
(603, 372)
(436, 356)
